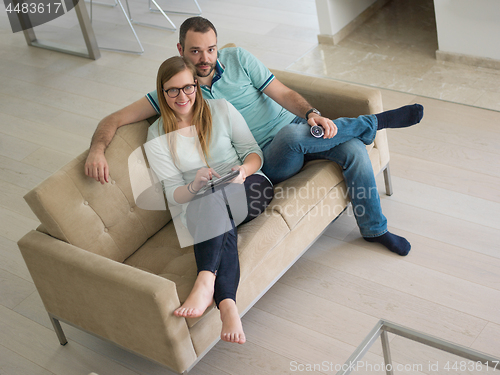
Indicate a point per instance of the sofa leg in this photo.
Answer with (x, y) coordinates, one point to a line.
(58, 329)
(387, 179)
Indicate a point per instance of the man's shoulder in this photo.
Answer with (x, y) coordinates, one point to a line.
(234, 53)
(229, 51)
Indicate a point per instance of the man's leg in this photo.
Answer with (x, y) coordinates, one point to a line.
(284, 155)
(361, 185)
(360, 180)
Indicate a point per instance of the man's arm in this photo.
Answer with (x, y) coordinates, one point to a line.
(96, 165)
(295, 103)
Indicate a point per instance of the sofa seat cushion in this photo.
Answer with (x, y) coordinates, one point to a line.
(163, 256)
(295, 197)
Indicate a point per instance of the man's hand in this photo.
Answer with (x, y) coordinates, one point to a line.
(96, 166)
(326, 123)
(296, 104)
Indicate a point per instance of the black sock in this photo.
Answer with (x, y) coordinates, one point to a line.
(400, 118)
(396, 244)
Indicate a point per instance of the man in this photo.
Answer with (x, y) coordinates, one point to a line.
(280, 120)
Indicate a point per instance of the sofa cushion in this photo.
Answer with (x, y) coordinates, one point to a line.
(163, 256)
(295, 197)
(99, 218)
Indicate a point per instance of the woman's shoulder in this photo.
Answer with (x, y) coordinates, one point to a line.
(216, 102)
(221, 109)
(155, 129)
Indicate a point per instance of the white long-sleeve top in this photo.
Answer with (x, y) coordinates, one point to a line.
(231, 142)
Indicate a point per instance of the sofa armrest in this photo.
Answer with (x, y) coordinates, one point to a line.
(332, 98)
(382, 144)
(128, 306)
(336, 99)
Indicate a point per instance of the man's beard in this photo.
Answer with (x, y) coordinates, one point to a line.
(198, 72)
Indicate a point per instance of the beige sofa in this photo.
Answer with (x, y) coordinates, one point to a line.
(104, 265)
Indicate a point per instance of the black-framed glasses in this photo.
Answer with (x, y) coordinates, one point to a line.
(174, 91)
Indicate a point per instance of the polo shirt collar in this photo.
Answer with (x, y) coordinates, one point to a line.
(219, 69)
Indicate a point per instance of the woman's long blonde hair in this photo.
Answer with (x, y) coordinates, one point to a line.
(202, 118)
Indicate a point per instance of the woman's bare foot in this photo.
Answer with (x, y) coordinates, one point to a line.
(232, 330)
(200, 297)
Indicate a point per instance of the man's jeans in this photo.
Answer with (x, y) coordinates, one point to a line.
(285, 155)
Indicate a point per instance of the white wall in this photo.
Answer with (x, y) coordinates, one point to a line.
(469, 27)
(334, 15)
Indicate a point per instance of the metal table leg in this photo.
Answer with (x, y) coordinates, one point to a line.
(92, 50)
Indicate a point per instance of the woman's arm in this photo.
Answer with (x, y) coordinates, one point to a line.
(185, 193)
(161, 163)
(244, 143)
(251, 164)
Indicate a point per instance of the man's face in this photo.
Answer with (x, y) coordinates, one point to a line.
(201, 50)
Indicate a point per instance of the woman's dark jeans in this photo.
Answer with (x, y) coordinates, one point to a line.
(219, 255)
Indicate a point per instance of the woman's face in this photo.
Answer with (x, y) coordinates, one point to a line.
(184, 86)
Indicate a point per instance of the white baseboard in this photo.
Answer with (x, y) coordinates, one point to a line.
(483, 62)
(351, 26)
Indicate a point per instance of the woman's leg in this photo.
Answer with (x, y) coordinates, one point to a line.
(208, 253)
(218, 263)
(259, 193)
(232, 329)
(226, 285)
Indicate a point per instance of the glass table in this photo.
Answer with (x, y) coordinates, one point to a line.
(418, 353)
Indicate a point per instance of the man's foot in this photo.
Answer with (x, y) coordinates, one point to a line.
(394, 243)
(400, 118)
(232, 330)
(200, 297)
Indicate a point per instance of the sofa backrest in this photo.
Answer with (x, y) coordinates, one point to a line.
(332, 98)
(103, 219)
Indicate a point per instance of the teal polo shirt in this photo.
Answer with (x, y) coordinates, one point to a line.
(241, 78)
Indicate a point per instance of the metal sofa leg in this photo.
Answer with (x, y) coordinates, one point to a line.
(387, 179)
(58, 329)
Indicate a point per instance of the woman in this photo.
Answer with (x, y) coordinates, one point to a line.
(193, 141)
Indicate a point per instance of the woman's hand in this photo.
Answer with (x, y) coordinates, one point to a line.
(203, 176)
(242, 176)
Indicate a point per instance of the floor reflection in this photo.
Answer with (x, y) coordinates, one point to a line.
(395, 49)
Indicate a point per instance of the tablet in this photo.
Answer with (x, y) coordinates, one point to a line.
(223, 179)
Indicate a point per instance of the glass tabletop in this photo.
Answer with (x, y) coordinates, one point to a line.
(393, 349)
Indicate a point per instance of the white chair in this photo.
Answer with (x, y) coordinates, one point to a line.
(163, 12)
(129, 22)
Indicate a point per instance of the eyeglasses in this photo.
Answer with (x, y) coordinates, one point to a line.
(174, 92)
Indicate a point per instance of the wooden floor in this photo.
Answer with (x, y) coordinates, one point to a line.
(446, 178)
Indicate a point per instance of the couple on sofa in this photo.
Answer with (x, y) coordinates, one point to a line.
(229, 108)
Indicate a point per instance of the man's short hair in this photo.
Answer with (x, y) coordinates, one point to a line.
(196, 24)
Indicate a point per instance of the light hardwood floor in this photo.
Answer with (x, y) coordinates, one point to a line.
(446, 180)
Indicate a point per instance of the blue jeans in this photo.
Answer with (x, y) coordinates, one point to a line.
(219, 255)
(285, 155)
